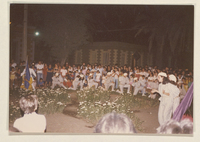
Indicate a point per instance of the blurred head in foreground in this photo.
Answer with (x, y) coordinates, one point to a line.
(174, 127)
(29, 103)
(115, 123)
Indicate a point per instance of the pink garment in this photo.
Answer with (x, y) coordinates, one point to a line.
(187, 117)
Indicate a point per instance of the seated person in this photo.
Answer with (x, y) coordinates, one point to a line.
(91, 81)
(124, 83)
(75, 83)
(31, 121)
(109, 81)
(115, 123)
(41, 83)
(139, 86)
(57, 80)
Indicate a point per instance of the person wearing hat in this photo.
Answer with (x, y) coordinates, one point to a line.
(174, 91)
(164, 113)
(57, 80)
(91, 81)
(109, 82)
(124, 83)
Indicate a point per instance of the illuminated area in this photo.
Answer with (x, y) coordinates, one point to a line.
(37, 33)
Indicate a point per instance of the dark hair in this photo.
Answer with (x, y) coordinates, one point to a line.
(172, 82)
(165, 80)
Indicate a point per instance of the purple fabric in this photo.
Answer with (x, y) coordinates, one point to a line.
(184, 105)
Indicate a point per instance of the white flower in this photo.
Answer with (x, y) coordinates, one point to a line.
(59, 103)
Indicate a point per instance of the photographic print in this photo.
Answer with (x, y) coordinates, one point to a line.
(101, 69)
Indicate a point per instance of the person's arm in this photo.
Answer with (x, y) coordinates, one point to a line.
(23, 72)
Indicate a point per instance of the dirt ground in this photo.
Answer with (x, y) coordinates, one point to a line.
(61, 123)
(66, 122)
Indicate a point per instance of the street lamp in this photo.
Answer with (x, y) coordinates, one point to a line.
(37, 33)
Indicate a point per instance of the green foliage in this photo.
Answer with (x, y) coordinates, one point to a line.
(50, 101)
(94, 104)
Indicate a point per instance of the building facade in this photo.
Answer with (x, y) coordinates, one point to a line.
(110, 53)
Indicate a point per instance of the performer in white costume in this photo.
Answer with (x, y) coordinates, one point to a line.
(137, 86)
(109, 82)
(124, 83)
(91, 81)
(174, 91)
(57, 80)
(166, 101)
(76, 83)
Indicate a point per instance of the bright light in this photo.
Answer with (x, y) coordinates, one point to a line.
(37, 33)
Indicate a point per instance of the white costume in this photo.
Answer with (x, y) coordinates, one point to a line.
(32, 74)
(109, 82)
(75, 83)
(174, 92)
(139, 86)
(124, 83)
(166, 105)
(91, 82)
(57, 80)
(81, 82)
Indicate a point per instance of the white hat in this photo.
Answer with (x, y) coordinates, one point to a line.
(162, 74)
(135, 78)
(90, 74)
(57, 74)
(81, 75)
(172, 78)
(125, 74)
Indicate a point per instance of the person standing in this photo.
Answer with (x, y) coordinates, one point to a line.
(39, 67)
(165, 110)
(174, 91)
(49, 75)
(45, 73)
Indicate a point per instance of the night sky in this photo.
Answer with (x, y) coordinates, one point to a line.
(77, 25)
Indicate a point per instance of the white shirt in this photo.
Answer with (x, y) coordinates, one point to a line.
(32, 72)
(40, 67)
(172, 90)
(63, 71)
(98, 76)
(124, 80)
(31, 123)
(116, 75)
(14, 65)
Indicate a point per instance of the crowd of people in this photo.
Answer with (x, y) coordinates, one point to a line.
(141, 79)
(169, 84)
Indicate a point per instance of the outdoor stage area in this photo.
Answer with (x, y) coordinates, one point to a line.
(76, 112)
